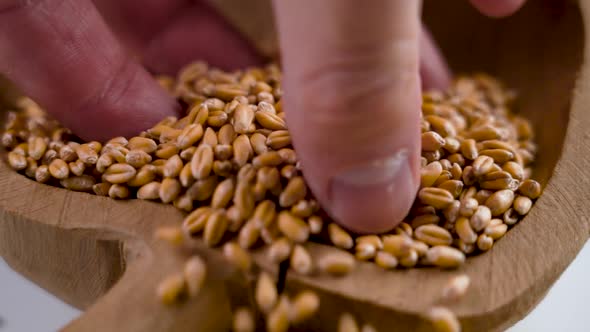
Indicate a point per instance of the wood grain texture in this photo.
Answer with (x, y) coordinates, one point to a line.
(76, 245)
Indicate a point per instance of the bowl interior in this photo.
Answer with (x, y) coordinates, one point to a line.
(538, 52)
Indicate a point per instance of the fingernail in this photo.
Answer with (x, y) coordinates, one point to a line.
(373, 197)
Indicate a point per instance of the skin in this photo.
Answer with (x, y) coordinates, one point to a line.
(353, 90)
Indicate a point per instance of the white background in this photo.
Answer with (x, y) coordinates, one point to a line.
(25, 307)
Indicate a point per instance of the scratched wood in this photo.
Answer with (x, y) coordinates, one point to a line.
(99, 255)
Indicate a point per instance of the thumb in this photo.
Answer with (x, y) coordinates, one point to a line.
(353, 104)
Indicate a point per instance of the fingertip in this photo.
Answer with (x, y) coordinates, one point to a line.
(352, 101)
(88, 81)
(375, 198)
(498, 8)
(133, 102)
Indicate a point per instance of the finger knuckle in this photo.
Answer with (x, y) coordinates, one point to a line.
(360, 81)
(117, 85)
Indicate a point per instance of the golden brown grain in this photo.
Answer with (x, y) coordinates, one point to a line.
(170, 234)
(145, 175)
(242, 150)
(280, 250)
(409, 260)
(530, 188)
(500, 156)
(42, 174)
(277, 320)
(202, 162)
(87, 154)
(100, 189)
(365, 251)
(339, 237)
(269, 159)
(117, 191)
(215, 228)
(258, 142)
(347, 323)
(223, 193)
(456, 287)
(118, 173)
(288, 156)
(469, 149)
(293, 227)
(485, 242)
(137, 158)
(172, 167)
(171, 289)
(295, 191)
(278, 139)
(150, 190)
(37, 147)
(436, 197)
(336, 263)
(475, 156)
(465, 231)
(237, 256)
(386, 260)
(196, 220)
(522, 205)
(203, 189)
(433, 235)
(500, 201)
(424, 219)
(482, 196)
(430, 173)
(169, 190)
(249, 234)
(66, 153)
(195, 273)
(397, 245)
(468, 207)
(78, 183)
(243, 320)
(481, 218)
(305, 305)
(266, 294)
(443, 320)
(184, 203)
(514, 169)
(269, 120)
(166, 151)
(244, 198)
(145, 144)
(17, 161)
(445, 256)
(368, 328)
(315, 224)
(301, 261)
(77, 167)
(496, 229)
(510, 217)
(209, 137)
(451, 212)
(432, 141)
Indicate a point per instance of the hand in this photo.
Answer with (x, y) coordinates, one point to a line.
(74, 57)
(352, 81)
(352, 95)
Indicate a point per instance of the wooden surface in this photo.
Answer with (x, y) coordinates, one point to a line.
(77, 245)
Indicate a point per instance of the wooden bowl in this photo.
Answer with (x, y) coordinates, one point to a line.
(98, 254)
